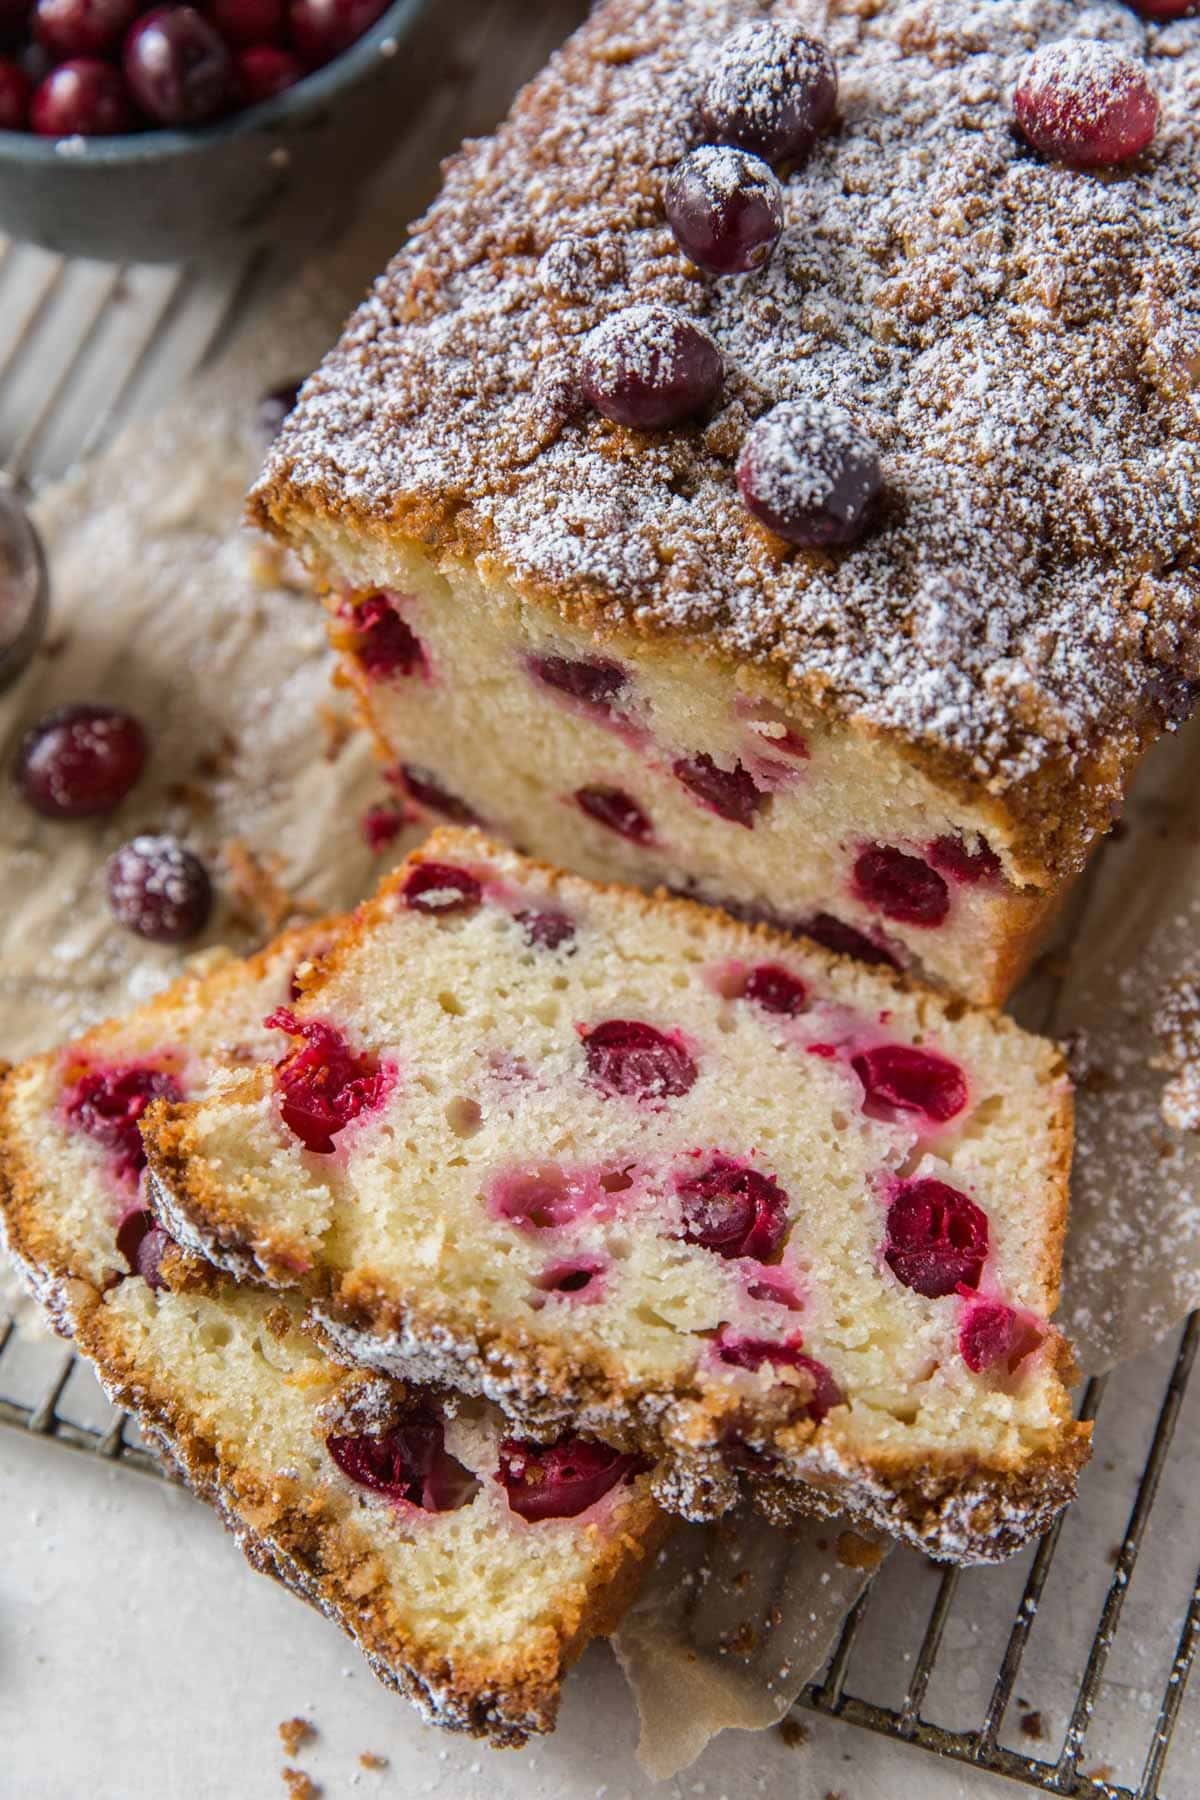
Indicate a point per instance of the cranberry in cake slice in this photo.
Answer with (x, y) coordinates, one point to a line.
(638, 1171)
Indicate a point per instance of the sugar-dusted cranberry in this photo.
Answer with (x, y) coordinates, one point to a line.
(388, 646)
(937, 1239)
(159, 890)
(650, 366)
(409, 1463)
(898, 1078)
(560, 1480)
(142, 1241)
(627, 1056)
(753, 1353)
(810, 474)
(14, 95)
(382, 825)
(776, 990)
(82, 27)
(846, 940)
(950, 854)
(274, 407)
(264, 71)
(732, 793)
(590, 681)
(772, 92)
(106, 1105)
(423, 786)
(81, 98)
(80, 761)
(324, 1084)
(733, 1210)
(243, 23)
(903, 887)
(322, 29)
(441, 889)
(990, 1332)
(615, 808)
(546, 927)
(1086, 103)
(178, 67)
(725, 208)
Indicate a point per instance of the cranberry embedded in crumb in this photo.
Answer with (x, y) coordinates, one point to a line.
(810, 474)
(322, 29)
(80, 761)
(441, 889)
(732, 1210)
(776, 990)
(903, 887)
(725, 208)
(845, 940)
(649, 366)
(591, 682)
(179, 68)
(951, 855)
(264, 71)
(546, 928)
(381, 826)
(731, 793)
(937, 1239)
(561, 1480)
(752, 1353)
(159, 890)
(613, 807)
(409, 1463)
(323, 1085)
(81, 98)
(423, 786)
(142, 1241)
(772, 91)
(1085, 103)
(990, 1332)
(14, 95)
(107, 1104)
(388, 646)
(82, 27)
(629, 1057)
(898, 1078)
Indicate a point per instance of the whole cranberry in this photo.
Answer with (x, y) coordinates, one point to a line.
(809, 473)
(1162, 10)
(322, 29)
(263, 72)
(81, 98)
(772, 91)
(80, 761)
(725, 208)
(82, 27)
(159, 890)
(1085, 103)
(650, 366)
(178, 67)
(14, 95)
(247, 23)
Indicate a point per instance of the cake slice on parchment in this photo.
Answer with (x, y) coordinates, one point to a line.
(469, 1567)
(632, 1168)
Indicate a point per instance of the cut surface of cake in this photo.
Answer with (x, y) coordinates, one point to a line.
(469, 1566)
(575, 632)
(632, 1168)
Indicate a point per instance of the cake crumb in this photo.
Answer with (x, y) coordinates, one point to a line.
(1176, 1026)
(741, 1641)
(335, 730)
(1033, 1726)
(300, 1786)
(369, 1760)
(793, 1733)
(256, 891)
(856, 1552)
(293, 1733)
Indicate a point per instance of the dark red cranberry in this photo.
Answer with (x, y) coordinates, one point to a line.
(441, 889)
(142, 1241)
(35, 60)
(247, 23)
(546, 928)
(82, 27)
(561, 1480)
(732, 793)
(898, 1078)
(388, 645)
(409, 1463)
(264, 71)
(107, 1105)
(725, 208)
(80, 761)
(903, 887)
(937, 1239)
(1086, 103)
(845, 940)
(324, 1084)
(159, 890)
(382, 825)
(322, 29)
(649, 366)
(81, 98)
(951, 855)
(810, 474)
(178, 67)
(732, 1210)
(1165, 9)
(990, 1333)
(423, 786)
(275, 405)
(753, 1353)
(629, 1057)
(14, 95)
(776, 990)
(613, 807)
(772, 92)
(592, 683)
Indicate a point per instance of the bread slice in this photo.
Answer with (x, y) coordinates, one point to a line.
(381, 1504)
(628, 1166)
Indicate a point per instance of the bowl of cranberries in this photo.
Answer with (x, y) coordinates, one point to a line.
(143, 132)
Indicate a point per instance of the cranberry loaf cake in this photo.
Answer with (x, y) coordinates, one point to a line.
(770, 471)
(632, 1168)
(468, 1565)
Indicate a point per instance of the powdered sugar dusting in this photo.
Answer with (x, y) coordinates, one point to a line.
(1087, 77)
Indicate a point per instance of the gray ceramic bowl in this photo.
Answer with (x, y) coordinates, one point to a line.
(281, 171)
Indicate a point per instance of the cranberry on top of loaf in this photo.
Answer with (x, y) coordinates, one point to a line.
(629, 1166)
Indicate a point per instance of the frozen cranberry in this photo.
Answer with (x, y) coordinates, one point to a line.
(1085, 103)
(845, 940)
(14, 95)
(546, 928)
(441, 889)
(629, 1057)
(951, 855)
(107, 1104)
(772, 91)
(142, 1241)
(903, 887)
(561, 1480)
(82, 27)
(937, 1239)
(990, 1332)
(81, 98)
(409, 1463)
(382, 825)
(810, 474)
(274, 407)
(322, 29)
(388, 646)
(324, 1084)
(776, 990)
(247, 23)
(591, 683)
(898, 1078)
(613, 807)
(649, 366)
(732, 793)
(423, 786)
(178, 67)
(159, 890)
(725, 208)
(264, 71)
(80, 761)
(733, 1210)
(753, 1353)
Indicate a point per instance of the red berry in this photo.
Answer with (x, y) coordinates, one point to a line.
(990, 1332)
(810, 474)
(725, 208)
(629, 1057)
(263, 72)
(387, 645)
(408, 1464)
(937, 1239)
(324, 1084)
(1085, 103)
(81, 761)
(81, 98)
(844, 940)
(772, 91)
(592, 683)
(731, 793)
(423, 786)
(561, 1480)
(441, 889)
(776, 990)
(14, 95)
(178, 67)
(898, 1078)
(613, 807)
(82, 27)
(649, 366)
(107, 1104)
(951, 855)
(546, 928)
(142, 1241)
(159, 890)
(382, 825)
(733, 1210)
(751, 1353)
(247, 24)
(903, 887)
(1165, 9)
(322, 29)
